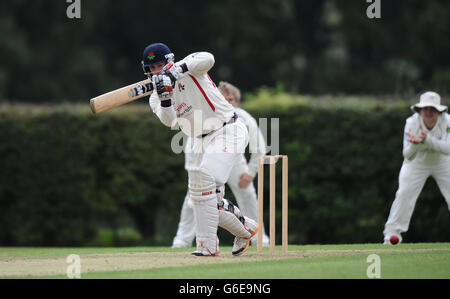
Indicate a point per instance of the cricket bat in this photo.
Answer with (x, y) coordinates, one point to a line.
(121, 96)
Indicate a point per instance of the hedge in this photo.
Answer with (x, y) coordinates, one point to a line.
(69, 178)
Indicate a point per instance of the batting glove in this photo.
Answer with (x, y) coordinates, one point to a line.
(163, 86)
(173, 71)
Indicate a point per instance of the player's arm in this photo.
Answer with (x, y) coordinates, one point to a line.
(163, 108)
(199, 63)
(196, 64)
(440, 145)
(410, 149)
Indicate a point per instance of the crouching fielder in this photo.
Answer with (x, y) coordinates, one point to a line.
(426, 151)
(185, 95)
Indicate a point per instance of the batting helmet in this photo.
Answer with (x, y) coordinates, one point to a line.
(156, 53)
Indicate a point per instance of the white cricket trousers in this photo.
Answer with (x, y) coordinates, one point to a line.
(412, 178)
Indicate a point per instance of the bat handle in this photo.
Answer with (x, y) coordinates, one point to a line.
(140, 89)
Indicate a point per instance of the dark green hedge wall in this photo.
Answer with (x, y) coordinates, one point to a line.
(69, 178)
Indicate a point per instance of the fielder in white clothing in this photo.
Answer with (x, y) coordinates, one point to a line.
(241, 177)
(426, 151)
(184, 95)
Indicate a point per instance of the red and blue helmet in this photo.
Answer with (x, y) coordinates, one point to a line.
(155, 53)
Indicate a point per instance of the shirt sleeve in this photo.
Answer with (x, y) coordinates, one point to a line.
(167, 115)
(440, 145)
(199, 63)
(410, 149)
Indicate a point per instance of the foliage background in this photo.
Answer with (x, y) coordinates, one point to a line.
(309, 46)
(71, 178)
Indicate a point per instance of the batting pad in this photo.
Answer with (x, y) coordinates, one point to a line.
(202, 185)
(231, 219)
(206, 221)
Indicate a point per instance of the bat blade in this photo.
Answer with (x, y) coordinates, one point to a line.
(121, 96)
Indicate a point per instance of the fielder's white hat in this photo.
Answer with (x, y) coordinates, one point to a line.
(429, 99)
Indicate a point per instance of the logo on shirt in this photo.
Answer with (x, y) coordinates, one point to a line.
(182, 109)
(181, 106)
(180, 87)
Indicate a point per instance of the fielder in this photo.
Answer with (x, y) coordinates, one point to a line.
(241, 177)
(186, 96)
(426, 151)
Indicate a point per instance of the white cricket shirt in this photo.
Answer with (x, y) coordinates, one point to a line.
(198, 107)
(436, 148)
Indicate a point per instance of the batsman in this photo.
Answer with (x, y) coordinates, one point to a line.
(186, 96)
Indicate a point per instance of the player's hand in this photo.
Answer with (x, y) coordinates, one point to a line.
(417, 139)
(172, 71)
(412, 138)
(423, 133)
(245, 180)
(163, 86)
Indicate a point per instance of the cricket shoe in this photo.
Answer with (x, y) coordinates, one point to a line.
(203, 251)
(199, 253)
(241, 245)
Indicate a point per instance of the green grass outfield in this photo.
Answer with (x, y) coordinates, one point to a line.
(421, 260)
